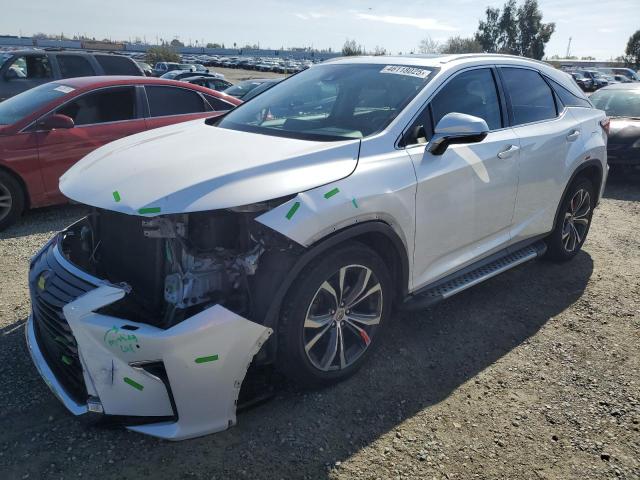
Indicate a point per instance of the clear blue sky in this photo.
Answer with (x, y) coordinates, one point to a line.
(598, 27)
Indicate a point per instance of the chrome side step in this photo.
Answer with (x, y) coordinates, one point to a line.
(473, 275)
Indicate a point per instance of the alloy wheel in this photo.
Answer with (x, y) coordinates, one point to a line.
(576, 220)
(343, 316)
(6, 201)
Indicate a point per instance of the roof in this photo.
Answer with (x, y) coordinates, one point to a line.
(88, 83)
(622, 86)
(435, 60)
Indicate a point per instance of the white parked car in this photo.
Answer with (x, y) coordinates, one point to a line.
(287, 231)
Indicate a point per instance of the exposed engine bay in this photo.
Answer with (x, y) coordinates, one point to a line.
(175, 266)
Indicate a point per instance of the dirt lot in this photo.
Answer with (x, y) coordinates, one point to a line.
(534, 374)
(235, 75)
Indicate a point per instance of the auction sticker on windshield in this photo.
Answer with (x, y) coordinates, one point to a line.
(411, 71)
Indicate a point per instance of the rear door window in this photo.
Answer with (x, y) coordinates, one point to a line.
(474, 93)
(102, 106)
(74, 66)
(531, 98)
(117, 65)
(30, 67)
(165, 101)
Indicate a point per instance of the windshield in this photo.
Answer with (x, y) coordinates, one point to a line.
(4, 57)
(617, 103)
(18, 107)
(242, 88)
(331, 102)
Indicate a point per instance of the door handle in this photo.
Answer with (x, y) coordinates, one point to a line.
(573, 135)
(511, 149)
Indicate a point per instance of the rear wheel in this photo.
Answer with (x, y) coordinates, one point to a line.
(574, 221)
(333, 315)
(11, 200)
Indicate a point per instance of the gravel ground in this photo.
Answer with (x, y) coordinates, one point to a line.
(533, 374)
(235, 75)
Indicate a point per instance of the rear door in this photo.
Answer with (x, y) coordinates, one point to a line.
(100, 117)
(465, 197)
(549, 138)
(168, 105)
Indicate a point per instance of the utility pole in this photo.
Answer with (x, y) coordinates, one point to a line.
(568, 49)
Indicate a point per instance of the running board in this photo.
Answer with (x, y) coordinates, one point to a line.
(473, 275)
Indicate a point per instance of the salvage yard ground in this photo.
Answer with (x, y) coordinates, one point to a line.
(533, 374)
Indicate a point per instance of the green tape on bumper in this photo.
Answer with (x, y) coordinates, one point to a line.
(116, 196)
(66, 360)
(210, 358)
(292, 211)
(133, 383)
(143, 211)
(331, 193)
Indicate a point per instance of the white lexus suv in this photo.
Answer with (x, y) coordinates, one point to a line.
(285, 233)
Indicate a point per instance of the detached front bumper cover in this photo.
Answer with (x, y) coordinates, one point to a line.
(205, 358)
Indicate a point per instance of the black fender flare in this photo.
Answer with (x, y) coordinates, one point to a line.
(271, 316)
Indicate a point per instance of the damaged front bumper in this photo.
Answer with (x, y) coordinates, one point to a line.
(183, 381)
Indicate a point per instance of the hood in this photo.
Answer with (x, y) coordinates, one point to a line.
(193, 166)
(624, 130)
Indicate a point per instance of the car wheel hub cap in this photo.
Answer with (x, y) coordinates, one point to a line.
(343, 316)
(5, 201)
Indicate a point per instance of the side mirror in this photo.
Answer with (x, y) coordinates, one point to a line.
(457, 128)
(56, 121)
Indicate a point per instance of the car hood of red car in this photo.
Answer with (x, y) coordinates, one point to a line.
(192, 166)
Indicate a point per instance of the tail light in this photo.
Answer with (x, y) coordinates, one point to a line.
(604, 123)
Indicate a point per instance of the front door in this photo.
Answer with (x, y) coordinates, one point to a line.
(100, 117)
(465, 197)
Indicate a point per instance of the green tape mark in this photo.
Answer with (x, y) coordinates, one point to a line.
(66, 360)
(133, 383)
(116, 196)
(355, 204)
(292, 211)
(211, 358)
(142, 211)
(331, 193)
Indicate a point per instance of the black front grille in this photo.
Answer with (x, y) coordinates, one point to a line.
(52, 287)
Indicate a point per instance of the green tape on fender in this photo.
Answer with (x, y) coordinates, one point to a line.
(210, 358)
(66, 360)
(292, 211)
(143, 211)
(331, 193)
(355, 204)
(133, 383)
(116, 196)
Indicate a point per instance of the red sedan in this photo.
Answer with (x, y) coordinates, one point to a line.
(47, 129)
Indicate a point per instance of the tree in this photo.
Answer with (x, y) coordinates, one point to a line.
(534, 34)
(459, 44)
(428, 45)
(161, 54)
(632, 51)
(508, 28)
(176, 43)
(379, 51)
(214, 45)
(351, 48)
(517, 31)
(488, 32)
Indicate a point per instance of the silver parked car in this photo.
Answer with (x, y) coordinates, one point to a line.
(287, 231)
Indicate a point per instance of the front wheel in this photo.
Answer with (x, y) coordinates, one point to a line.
(573, 223)
(333, 316)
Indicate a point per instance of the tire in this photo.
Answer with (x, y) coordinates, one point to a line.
(316, 359)
(573, 223)
(11, 200)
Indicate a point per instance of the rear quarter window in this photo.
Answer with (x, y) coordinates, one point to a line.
(531, 97)
(116, 65)
(567, 98)
(218, 104)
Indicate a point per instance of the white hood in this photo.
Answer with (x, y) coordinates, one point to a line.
(193, 166)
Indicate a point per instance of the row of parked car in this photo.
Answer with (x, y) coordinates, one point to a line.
(590, 80)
